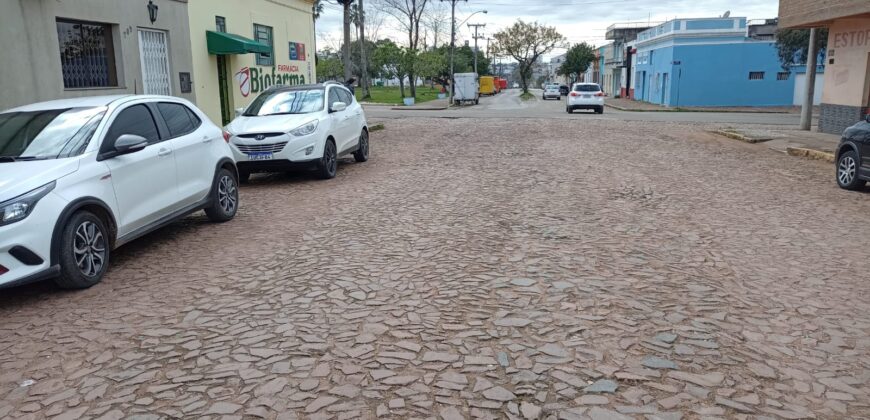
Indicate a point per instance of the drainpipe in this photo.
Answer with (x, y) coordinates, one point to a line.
(807, 110)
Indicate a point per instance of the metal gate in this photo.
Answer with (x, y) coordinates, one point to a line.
(154, 56)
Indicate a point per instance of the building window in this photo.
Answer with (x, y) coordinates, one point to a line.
(87, 54)
(783, 75)
(263, 35)
(756, 75)
(220, 23)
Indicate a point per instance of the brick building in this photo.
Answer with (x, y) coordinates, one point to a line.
(846, 94)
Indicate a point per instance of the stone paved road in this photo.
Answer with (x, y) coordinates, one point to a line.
(571, 269)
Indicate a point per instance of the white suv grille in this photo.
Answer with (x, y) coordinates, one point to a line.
(261, 148)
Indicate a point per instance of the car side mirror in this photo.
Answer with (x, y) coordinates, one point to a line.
(129, 143)
(338, 107)
(240, 111)
(867, 118)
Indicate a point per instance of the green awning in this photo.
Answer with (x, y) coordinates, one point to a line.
(221, 43)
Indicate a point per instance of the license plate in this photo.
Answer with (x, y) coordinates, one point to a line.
(260, 156)
(587, 96)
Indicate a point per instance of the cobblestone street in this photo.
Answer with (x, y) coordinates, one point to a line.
(490, 268)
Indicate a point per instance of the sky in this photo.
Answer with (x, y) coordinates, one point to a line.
(577, 20)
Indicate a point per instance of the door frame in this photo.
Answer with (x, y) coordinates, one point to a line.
(139, 32)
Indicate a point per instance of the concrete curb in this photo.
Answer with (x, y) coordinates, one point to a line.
(741, 137)
(678, 109)
(811, 154)
(413, 108)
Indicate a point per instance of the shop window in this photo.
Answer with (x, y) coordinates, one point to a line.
(263, 35)
(220, 24)
(87, 54)
(756, 75)
(783, 75)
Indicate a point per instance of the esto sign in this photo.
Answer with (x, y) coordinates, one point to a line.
(257, 79)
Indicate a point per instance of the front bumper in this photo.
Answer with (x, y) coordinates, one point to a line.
(33, 235)
(296, 152)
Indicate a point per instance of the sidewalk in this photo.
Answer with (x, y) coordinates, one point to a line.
(809, 144)
(433, 105)
(623, 104)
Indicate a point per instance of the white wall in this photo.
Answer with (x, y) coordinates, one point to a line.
(800, 83)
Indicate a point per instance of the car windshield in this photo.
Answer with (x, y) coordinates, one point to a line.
(282, 102)
(587, 88)
(47, 134)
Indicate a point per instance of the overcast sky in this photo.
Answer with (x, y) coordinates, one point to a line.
(577, 20)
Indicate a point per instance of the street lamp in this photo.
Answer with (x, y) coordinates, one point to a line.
(469, 16)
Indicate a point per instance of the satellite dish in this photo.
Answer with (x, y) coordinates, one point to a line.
(727, 14)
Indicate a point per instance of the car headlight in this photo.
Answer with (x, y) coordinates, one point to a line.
(20, 207)
(305, 129)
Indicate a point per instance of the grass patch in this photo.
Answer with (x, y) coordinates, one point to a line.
(376, 127)
(526, 96)
(392, 96)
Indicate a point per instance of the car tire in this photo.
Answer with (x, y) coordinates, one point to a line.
(224, 198)
(244, 177)
(569, 110)
(847, 172)
(362, 151)
(599, 110)
(328, 164)
(84, 251)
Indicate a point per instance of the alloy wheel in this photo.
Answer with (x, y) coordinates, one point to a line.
(364, 143)
(329, 160)
(89, 249)
(846, 170)
(227, 194)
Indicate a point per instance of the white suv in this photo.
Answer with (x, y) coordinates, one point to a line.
(307, 126)
(551, 91)
(586, 96)
(81, 177)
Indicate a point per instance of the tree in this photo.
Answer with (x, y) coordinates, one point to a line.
(409, 15)
(329, 65)
(316, 11)
(348, 65)
(792, 45)
(363, 61)
(577, 61)
(431, 64)
(525, 43)
(390, 61)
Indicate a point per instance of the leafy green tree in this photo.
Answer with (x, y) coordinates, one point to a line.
(526, 43)
(430, 64)
(577, 61)
(792, 45)
(391, 61)
(329, 65)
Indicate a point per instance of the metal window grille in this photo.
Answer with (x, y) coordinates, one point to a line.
(756, 75)
(263, 35)
(87, 54)
(154, 56)
(783, 75)
(220, 23)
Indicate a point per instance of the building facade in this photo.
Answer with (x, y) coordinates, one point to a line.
(240, 48)
(619, 62)
(709, 62)
(846, 91)
(74, 48)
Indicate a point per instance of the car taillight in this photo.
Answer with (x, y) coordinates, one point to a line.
(227, 136)
(3, 270)
(599, 94)
(575, 94)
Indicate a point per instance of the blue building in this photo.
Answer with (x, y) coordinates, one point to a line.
(709, 62)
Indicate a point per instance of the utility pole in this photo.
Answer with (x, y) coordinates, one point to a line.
(452, 43)
(807, 110)
(488, 55)
(364, 67)
(476, 26)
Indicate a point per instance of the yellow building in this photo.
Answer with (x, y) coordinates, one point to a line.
(241, 47)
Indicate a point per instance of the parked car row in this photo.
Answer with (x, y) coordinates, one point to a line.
(81, 177)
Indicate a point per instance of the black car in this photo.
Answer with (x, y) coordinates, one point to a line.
(853, 156)
(564, 90)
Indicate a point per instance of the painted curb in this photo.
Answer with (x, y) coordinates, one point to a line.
(411, 108)
(679, 109)
(811, 154)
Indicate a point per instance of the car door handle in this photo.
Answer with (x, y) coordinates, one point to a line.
(206, 139)
(164, 152)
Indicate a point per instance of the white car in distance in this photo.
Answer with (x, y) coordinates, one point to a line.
(585, 96)
(299, 127)
(80, 177)
(552, 91)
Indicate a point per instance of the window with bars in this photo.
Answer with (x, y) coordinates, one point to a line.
(756, 75)
(263, 35)
(87, 54)
(783, 75)
(220, 23)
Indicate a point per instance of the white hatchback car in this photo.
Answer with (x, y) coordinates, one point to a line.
(299, 127)
(552, 91)
(585, 96)
(81, 177)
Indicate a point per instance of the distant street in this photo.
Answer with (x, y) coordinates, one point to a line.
(509, 105)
